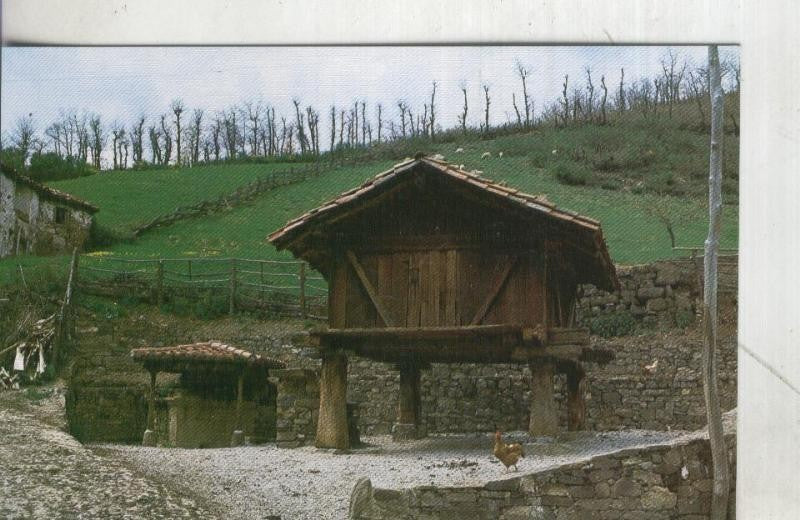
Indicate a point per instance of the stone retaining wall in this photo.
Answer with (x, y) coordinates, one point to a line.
(654, 483)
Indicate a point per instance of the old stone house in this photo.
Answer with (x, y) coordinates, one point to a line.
(37, 219)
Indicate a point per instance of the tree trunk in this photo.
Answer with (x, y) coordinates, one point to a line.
(332, 431)
(719, 453)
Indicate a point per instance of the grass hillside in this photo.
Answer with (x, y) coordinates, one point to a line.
(132, 197)
(634, 178)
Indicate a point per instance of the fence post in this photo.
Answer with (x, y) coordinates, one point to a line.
(303, 289)
(160, 283)
(232, 300)
(261, 289)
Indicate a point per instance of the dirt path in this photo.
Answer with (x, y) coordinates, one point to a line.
(45, 473)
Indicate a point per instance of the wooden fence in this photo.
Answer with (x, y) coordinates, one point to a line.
(286, 288)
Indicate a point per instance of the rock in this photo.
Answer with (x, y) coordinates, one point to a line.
(626, 487)
(667, 274)
(659, 497)
(656, 305)
(647, 293)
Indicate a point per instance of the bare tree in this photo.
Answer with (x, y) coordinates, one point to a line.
(433, 111)
(299, 121)
(254, 116)
(333, 127)
(462, 118)
(605, 97)
(177, 109)
(514, 104)
(117, 133)
(589, 110)
(23, 136)
(216, 132)
(155, 144)
(380, 121)
(363, 123)
(523, 73)
(137, 134)
(402, 106)
(166, 132)
(486, 112)
(621, 95)
(98, 139)
(196, 134)
(565, 99)
(698, 85)
(719, 452)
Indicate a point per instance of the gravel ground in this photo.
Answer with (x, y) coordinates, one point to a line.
(306, 483)
(45, 473)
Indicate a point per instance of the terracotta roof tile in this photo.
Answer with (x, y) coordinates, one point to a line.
(207, 351)
(47, 191)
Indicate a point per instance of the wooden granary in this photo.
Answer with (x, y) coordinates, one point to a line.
(427, 263)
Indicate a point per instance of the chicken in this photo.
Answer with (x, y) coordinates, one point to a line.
(651, 368)
(508, 454)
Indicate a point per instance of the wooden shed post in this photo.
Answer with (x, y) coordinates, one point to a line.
(237, 439)
(544, 416)
(576, 400)
(149, 438)
(408, 408)
(332, 430)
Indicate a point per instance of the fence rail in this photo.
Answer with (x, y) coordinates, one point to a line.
(287, 288)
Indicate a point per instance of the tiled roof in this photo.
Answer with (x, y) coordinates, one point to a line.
(207, 351)
(46, 191)
(589, 228)
(532, 202)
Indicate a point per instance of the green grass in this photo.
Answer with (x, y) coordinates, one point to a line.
(132, 197)
(633, 174)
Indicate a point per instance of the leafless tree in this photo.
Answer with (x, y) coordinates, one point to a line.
(514, 104)
(155, 144)
(299, 122)
(433, 111)
(54, 133)
(363, 123)
(23, 135)
(401, 105)
(216, 133)
(177, 107)
(117, 133)
(486, 112)
(380, 121)
(166, 132)
(333, 127)
(698, 82)
(589, 109)
(621, 94)
(565, 99)
(603, 102)
(523, 73)
(719, 452)
(254, 112)
(137, 136)
(462, 118)
(98, 139)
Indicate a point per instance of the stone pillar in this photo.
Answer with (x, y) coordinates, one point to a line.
(544, 415)
(408, 407)
(576, 400)
(149, 438)
(332, 430)
(237, 439)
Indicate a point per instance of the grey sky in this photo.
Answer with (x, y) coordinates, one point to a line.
(123, 82)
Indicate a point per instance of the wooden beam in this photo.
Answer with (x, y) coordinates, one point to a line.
(332, 430)
(497, 285)
(544, 415)
(371, 292)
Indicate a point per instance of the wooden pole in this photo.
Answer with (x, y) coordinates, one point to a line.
(719, 452)
(544, 416)
(238, 434)
(332, 430)
(576, 400)
(303, 312)
(232, 295)
(160, 283)
(408, 406)
(149, 438)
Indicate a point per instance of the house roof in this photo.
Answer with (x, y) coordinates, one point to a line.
(589, 229)
(46, 191)
(207, 352)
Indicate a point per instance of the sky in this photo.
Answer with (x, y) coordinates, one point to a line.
(121, 83)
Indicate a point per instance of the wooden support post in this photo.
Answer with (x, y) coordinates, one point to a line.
(232, 295)
(332, 430)
(576, 400)
(160, 283)
(261, 289)
(149, 438)
(238, 434)
(302, 275)
(408, 407)
(544, 416)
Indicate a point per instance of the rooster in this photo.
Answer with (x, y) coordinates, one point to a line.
(508, 454)
(651, 368)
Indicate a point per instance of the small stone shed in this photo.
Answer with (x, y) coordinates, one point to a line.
(427, 263)
(39, 220)
(223, 396)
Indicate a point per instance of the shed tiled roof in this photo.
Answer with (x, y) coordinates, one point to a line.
(207, 351)
(46, 191)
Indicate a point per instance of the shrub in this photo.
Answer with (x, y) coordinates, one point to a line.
(52, 167)
(571, 174)
(617, 324)
(684, 318)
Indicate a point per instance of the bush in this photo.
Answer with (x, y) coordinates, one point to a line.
(571, 174)
(52, 167)
(102, 236)
(684, 318)
(617, 324)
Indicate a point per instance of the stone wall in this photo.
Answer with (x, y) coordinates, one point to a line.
(298, 406)
(659, 482)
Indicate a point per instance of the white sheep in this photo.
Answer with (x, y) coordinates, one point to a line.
(438, 157)
(459, 150)
(555, 152)
(486, 155)
(500, 155)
